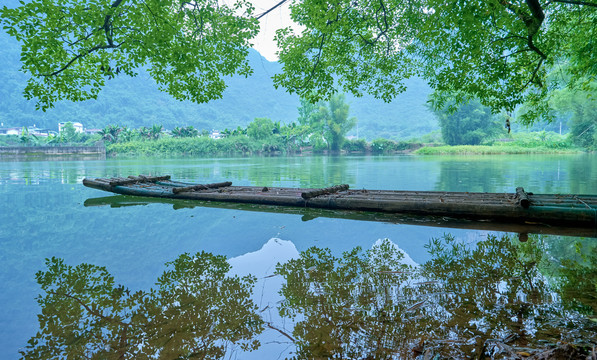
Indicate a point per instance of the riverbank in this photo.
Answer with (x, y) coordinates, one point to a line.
(208, 147)
(26, 151)
(542, 142)
(492, 150)
(242, 145)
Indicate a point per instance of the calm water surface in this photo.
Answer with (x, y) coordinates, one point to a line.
(46, 212)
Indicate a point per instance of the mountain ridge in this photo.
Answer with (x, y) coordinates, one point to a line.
(136, 102)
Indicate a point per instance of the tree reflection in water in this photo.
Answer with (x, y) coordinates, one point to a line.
(497, 298)
(494, 299)
(196, 311)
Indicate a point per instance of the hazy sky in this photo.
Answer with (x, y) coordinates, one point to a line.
(276, 19)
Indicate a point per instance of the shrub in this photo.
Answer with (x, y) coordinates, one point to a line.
(383, 146)
(355, 145)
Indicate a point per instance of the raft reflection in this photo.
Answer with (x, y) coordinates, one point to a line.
(498, 298)
(312, 213)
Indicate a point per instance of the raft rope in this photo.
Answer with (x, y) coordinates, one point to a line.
(589, 207)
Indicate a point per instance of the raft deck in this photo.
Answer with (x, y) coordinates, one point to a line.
(517, 207)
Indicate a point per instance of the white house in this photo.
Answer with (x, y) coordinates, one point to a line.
(11, 131)
(77, 125)
(215, 134)
(33, 130)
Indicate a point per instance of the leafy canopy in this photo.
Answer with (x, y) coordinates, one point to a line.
(499, 51)
(71, 48)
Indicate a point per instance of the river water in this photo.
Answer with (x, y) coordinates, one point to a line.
(46, 212)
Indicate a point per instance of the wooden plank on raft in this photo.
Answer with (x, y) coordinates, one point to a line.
(522, 198)
(329, 190)
(201, 187)
(135, 179)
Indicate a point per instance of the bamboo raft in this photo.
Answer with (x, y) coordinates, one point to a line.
(518, 207)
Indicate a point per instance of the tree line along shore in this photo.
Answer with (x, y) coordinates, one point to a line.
(288, 140)
(322, 128)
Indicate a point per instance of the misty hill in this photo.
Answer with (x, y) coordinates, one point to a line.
(136, 102)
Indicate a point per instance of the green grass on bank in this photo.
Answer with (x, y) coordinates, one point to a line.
(491, 150)
(522, 143)
(195, 146)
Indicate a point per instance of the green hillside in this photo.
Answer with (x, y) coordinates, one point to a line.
(136, 102)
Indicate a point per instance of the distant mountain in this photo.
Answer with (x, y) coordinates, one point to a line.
(136, 102)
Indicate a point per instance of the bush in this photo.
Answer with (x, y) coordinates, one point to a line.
(488, 150)
(260, 128)
(9, 140)
(355, 145)
(539, 139)
(383, 146)
(318, 143)
(195, 146)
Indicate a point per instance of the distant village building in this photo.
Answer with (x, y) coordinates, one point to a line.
(77, 125)
(31, 130)
(215, 134)
(92, 131)
(11, 131)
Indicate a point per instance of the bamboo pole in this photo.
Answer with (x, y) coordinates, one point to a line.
(201, 187)
(329, 190)
(523, 198)
(140, 178)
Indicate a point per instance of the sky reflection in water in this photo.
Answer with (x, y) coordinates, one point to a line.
(44, 215)
(501, 298)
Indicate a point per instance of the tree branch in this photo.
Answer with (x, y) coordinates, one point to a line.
(318, 57)
(89, 310)
(108, 30)
(269, 325)
(533, 78)
(533, 22)
(93, 49)
(271, 9)
(108, 23)
(573, 2)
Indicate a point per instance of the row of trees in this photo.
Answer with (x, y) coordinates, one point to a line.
(323, 125)
(115, 133)
(68, 135)
(472, 123)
